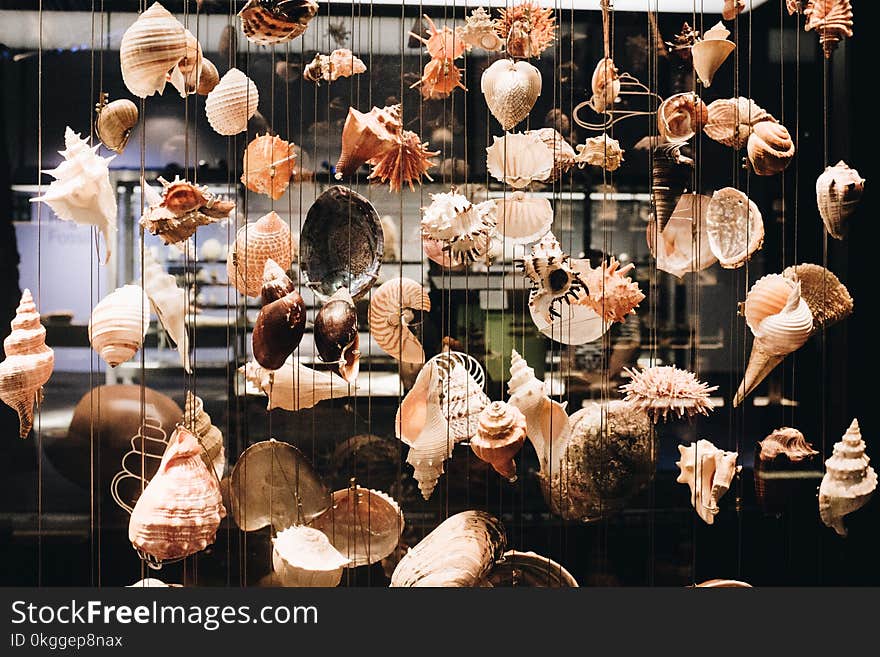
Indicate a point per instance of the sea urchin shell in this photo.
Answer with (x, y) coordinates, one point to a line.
(661, 389)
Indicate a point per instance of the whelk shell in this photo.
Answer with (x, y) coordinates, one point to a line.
(511, 89)
(770, 148)
(268, 165)
(838, 191)
(391, 312)
(119, 323)
(734, 227)
(303, 556)
(849, 481)
(553, 275)
(463, 227)
(611, 292)
(675, 250)
(115, 122)
(336, 335)
(479, 32)
(708, 472)
(368, 136)
(181, 209)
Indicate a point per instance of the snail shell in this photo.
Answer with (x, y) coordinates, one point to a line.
(256, 243)
(119, 323)
(391, 307)
(681, 116)
(838, 191)
(671, 175)
(849, 481)
(336, 335)
(731, 120)
(115, 123)
(278, 329)
(770, 148)
(501, 431)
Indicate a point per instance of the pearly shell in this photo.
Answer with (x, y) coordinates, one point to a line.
(553, 275)
(303, 556)
(563, 154)
(519, 569)
(406, 163)
(479, 32)
(28, 363)
(731, 120)
(611, 292)
(710, 52)
(368, 136)
(185, 75)
(232, 103)
(280, 324)
(115, 122)
(732, 8)
(180, 509)
(293, 386)
(675, 250)
(708, 472)
(838, 191)
(182, 208)
(81, 191)
(210, 437)
(268, 165)
(661, 390)
(119, 323)
(464, 228)
(770, 148)
(519, 159)
(501, 431)
(256, 243)
(681, 116)
(600, 151)
(169, 304)
(150, 48)
(459, 552)
(527, 29)
(849, 481)
(828, 298)
(267, 22)
(671, 176)
(340, 63)
(208, 78)
(391, 311)
(336, 335)
(734, 227)
(521, 218)
(832, 20)
(511, 89)
(605, 85)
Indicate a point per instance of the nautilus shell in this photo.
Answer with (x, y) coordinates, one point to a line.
(169, 304)
(611, 292)
(671, 176)
(181, 209)
(501, 431)
(770, 148)
(280, 324)
(392, 310)
(304, 557)
(681, 116)
(831, 19)
(268, 238)
(828, 298)
(522, 218)
(150, 48)
(294, 386)
(527, 29)
(210, 437)
(838, 192)
(734, 227)
(511, 89)
(119, 323)
(463, 227)
(479, 32)
(664, 390)
(710, 52)
(336, 335)
(115, 122)
(519, 159)
(708, 472)
(731, 120)
(600, 151)
(232, 103)
(849, 481)
(605, 85)
(266, 22)
(367, 136)
(340, 63)
(269, 163)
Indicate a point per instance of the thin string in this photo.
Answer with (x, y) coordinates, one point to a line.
(39, 433)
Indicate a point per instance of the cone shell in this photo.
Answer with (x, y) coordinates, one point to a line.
(208, 78)
(180, 509)
(255, 243)
(770, 148)
(150, 48)
(831, 19)
(119, 323)
(827, 297)
(838, 191)
(278, 330)
(294, 386)
(232, 103)
(605, 85)
(849, 481)
(115, 122)
(303, 556)
(523, 218)
(276, 21)
(269, 163)
(708, 472)
(209, 436)
(368, 136)
(511, 89)
(391, 306)
(681, 116)
(563, 153)
(711, 52)
(28, 363)
(519, 159)
(734, 227)
(671, 175)
(336, 335)
(501, 432)
(731, 120)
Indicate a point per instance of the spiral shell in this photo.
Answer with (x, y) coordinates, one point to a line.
(671, 176)
(303, 556)
(232, 103)
(115, 122)
(734, 227)
(600, 151)
(150, 48)
(711, 51)
(501, 431)
(464, 228)
(838, 191)
(511, 89)
(832, 20)
(522, 218)
(368, 136)
(119, 323)
(554, 276)
(255, 243)
(519, 159)
(605, 85)
(210, 437)
(279, 326)
(770, 148)
(768, 296)
(479, 32)
(828, 298)
(276, 21)
(391, 311)
(611, 292)
(563, 153)
(681, 116)
(340, 63)
(731, 120)
(849, 481)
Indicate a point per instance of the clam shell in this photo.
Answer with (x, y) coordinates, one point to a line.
(522, 218)
(119, 323)
(391, 306)
(770, 148)
(511, 89)
(734, 227)
(115, 122)
(336, 335)
(150, 48)
(838, 191)
(303, 556)
(232, 103)
(519, 159)
(256, 243)
(731, 120)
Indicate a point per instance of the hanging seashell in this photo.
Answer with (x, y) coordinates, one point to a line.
(731, 120)
(293, 386)
(437, 251)
(770, 148)
(732, 8)
(185, 75)
(340, 63)
(336, 335)
(404, 164)
(734, 227)
(500, 435)
(341, 244)
(169, 304)
(150, 48)
(180, 509)
(681, 44)
(832, 20)
(849, 481)
(440, 44)
(81, 191)
(511, 89)
(675, 250)
(392, 307)
(723, 584)
(710, 52)
(838, 191)
(519, 159)
(267, 22)
(302, 556)
(660, 390)
(672, 172)
(795, 6)
(681, 116)
(605, 85)
(280, 324)
(440, 78)
(827, 297)
(464, 228)
(210, 438)
(563, 154)
(552, 275)
(708, 472)
(28, 363)
(268, 238)
(479, 32)
(268, 165)
(115, 122)
(459, 552)
(522, 218)
(572, 323)
(786, 468)
(611, 292)
(208, 78)
(528, 30)
(119, 323)
(232, 103)
(600, 151)
(368, 136)
(182, 208)
(519, 569)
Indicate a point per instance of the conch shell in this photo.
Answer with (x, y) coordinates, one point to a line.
(671, 176)
(521, 218)
(462, 226)
(368, 136)
(293, 386)
(828, 298)
(511, 89)
(169, 304)
(681, 116)
(660, 390)
(28, 363)
(731, 120)
(268, 238)
(501, 431)
(268, 165)
(304, 557)
(519, 159)
(281, 322)
(210, 437)
(605, 85)
(832, 20)
(527, 29)
(150, 48)
(115, 122)
(611, 292)
(734, 227)
(180, 509)
(563, 154)
(340, 63)
(119, 323)
(232, 103)
(182, 208)
(838, 192)
(336, 335)
(849, 481)
(391, 312)
(708, 472)
(266, 22)
(770, 148)
(479, 32)
(710, 52)
(600, 151)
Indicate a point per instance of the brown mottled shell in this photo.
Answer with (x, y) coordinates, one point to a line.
(278, 330)
(266, 23)
(368, 136)
(405, 164)
(268, 165)
(208, 78)
(115, 122)
(255, 243)
(671, 176)
(276, 282)
(336, 335)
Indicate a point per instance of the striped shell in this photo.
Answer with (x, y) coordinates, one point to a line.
(391, 311)
(276, 21)
(150, 48)
(519, 159)
(232, 103)
(770, 148)
(731, 120)
(255, 243)
(522, 218)
(119, 323)
(115, 122)
(768, 296)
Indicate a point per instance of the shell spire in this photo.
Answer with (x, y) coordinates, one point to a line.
(501, 431)
(210, 437)
(849, 481)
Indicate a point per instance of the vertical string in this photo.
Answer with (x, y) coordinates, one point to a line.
(39, 433)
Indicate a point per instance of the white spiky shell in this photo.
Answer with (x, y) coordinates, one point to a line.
(232, 103)
(390, 314)
(708, 472)
(479, 32)
(119, 323)
(303, 556)
(150, 48)
(169, 304)
(734, 227)
(294, 387)
(849, 481)
(511, 89)
(519, 159)
(711, 51)
(522, 218)
(838, 192)
(600, 151)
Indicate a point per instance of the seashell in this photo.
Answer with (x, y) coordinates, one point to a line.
(363, 525)
(479, 32)
(336, 335)
(391, 313)
(519, 569)
(572, 323)
(150, 583)
(437, 251)
(440, 78)
(276, 282)
(675, 250)
(169, 304)
(732, 8)
(768, 296)
(150, 48)
(731, 120)
(682, 42)
(552, 275)
(786, 468)
(794, 7)
(185, 75)
(182, 208)
(230, 105)
(519, 159)
(501, 432)
(28, 363)
(832, 20)
(81, 191)
(681, 116)
(563, 153)
(723, 584)
(521, 218)
(611, 292)
(341, 244)
(268, 165)
(734, 227)
(208, 78)
(527, 29)
(119, 323)
(268, 238)
(368, 136)
(849, 481)
(838, 192)
(660, 390)
(180, 509)
(708, 472)
(294, 387)
(340, 63)
(770, 148)
(710, 52)
(672, 172)
(210, 438)
(406, 163)
(600, 151)
(440, 44)
(391, 238)
(827, 297)
(605, 85)
(115, 122)
(267, 22)
(464, 228)
(303, 556)
(459, 552)
(273, 484)
(511, 89)
(280, 324)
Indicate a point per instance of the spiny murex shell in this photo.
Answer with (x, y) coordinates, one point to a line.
(391, 312)
(119, 323)
(708, 472)
(600, 151)
(302, 556)
(464, 228)
(838, 191)
(660, 390)
(169, 303)
(181, 209)
(150, 48)
(232, 103)
(511, 89)
(849, 481)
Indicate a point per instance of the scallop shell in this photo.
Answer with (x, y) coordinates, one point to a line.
(28, 363)
(661, 390)
(340, 63)
(731, 120)
(675, 250)
(119, 323)
(501, 432)
(671, 176)
(611, 292)
(303, 556)
(169, 304)
(115, 122)
(293, 386)
(605, 85)
(732, 8)
(210, 437)
(404, 164)
(563, 154)
(828, 298)
(279, 326)
(519, 569)
(440, 78)
(522, 218)
(185, 75)
(770, 148)
(710, 52)
(336, 335)
(150, 48)
(600, 151)
(182, 208)
(268, 165)
(708, 472)
(208, 78)
(838, 191)
(479, 32)
(832, 20)
(256, 243)
(232, 103)
(276, 21)
(391, 311)
(681, 116)
(519, 159)
(527, 28)
(511, 89)
(849, 481)
(734, 227)
(368, 136)
(464, 228)
(180, 509)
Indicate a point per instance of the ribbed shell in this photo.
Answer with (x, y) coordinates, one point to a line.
(849, 481)
(731, 119)
(831, 19)
(390, 315)
(522, 219)
(734, 227)
(302, 556)
(770, 148)
(783, 332)
(255, 243)
(269, 163)
(119, 323)
(511, 89)
(605, 85)
(501, 431)
(838, 191)
(232, 103)
(209, 436)
(828, 298)
(767, 296)
(710, 52)
(563, 153)
(149, 49)
(671, 175)
(28, 363)
(115, 122)
(519, 159)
